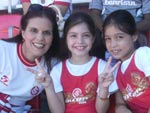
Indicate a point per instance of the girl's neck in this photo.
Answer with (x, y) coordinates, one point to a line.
(131, 52)
(79, 60)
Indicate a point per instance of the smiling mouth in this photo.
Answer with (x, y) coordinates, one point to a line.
(38, 45)
(115, 52)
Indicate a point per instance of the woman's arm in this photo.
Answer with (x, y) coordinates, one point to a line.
(55, 100)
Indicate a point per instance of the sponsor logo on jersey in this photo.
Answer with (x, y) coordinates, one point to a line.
(4, 79)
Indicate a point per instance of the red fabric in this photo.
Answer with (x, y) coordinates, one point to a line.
(6, 109)
(22, 1)
(80, 91)
(62, 3)
(35, 103)
(134, 87)
(7, 21)
(4, 100)
(111, 108)
(4, 97)
(55, 2)
(148, 37)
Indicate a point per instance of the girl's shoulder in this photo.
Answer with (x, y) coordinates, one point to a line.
(142, 51)
(142, 56)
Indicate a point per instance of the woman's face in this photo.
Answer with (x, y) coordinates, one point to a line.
(119, 44)
(79, 40)
(37, 37)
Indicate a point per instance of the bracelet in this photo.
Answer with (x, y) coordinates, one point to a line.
(103, 99)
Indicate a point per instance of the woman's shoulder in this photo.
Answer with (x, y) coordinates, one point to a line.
(7, 49)
(57, 64)
(5, 44)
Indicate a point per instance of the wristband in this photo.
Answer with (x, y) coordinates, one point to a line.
(103, 99)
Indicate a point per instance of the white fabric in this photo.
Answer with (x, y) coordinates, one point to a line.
(5, 3)
(136, 7)
(78, 70)
(15, 80)
(48, 2)
(142, 60)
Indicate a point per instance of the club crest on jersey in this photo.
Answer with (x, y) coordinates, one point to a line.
(4, 79)
(35, 90)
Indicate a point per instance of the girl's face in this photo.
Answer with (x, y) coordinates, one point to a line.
(119, 44)
(37, 38)
(79, 40)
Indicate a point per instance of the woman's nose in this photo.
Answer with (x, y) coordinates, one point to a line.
(40, 36)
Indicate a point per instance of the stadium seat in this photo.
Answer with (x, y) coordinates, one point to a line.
(10, 25)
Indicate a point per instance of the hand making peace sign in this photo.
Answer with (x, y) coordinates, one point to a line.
(106, 77)
(41, 76)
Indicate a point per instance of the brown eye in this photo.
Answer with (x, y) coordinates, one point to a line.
(107, 38)
(47, 33)
(34, 30)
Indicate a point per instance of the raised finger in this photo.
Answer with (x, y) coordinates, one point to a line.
(108, 65)
(115, 66)
(39, 65)
(32, 71)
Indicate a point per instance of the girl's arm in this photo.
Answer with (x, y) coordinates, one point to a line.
(121, 106)
(149, 106)
(102, 101)
(55, 100)
(105, 80)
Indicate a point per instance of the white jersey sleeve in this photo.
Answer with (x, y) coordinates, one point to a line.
(56, 74)
(67, 1)
(142, 59)
(5, 3)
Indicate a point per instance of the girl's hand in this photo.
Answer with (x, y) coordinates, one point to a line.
(41, 76)
(106, 77)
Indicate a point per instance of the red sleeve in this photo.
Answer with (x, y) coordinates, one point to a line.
(22, 1)
(62, 3)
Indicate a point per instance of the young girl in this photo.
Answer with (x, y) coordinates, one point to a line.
(133, 74)
(79, 76)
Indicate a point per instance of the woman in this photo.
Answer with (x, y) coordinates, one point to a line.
(38, 41)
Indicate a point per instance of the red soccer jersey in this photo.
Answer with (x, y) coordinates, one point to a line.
(80, 91)
(135, 88)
